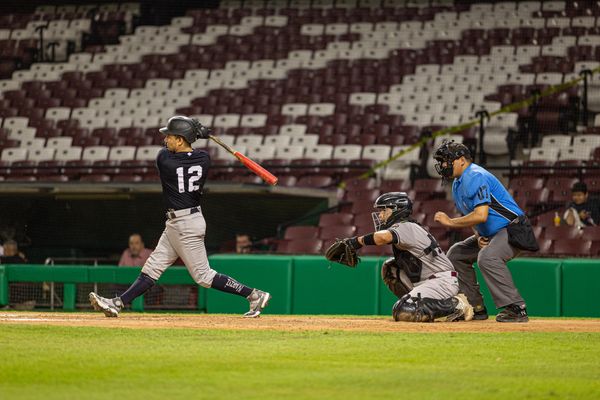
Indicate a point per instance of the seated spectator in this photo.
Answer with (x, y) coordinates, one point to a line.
(11, 253)
(582, 211)
(136, 254)
(243, 243)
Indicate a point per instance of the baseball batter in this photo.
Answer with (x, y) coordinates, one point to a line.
(183, 172)
(419, 274)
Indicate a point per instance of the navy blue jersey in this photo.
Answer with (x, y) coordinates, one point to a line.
(182, 176)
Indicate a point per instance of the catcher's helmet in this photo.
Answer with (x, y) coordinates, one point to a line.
(400, 204)
(185, 127)
(448, 152)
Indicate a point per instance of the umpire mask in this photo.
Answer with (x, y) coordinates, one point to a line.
(398, 202)
(445, 156)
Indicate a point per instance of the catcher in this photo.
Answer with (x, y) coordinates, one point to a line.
(419, 274)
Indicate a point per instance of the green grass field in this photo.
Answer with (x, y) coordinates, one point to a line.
(52, 362)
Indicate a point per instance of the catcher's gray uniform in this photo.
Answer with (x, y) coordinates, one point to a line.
(437, 278)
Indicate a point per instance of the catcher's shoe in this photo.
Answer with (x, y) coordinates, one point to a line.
(110, 307)
(513, 313)
(258, 300)
(463, 310)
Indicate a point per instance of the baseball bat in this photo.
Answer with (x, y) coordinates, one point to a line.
(249, 163)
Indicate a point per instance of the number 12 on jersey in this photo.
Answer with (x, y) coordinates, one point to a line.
(194, 175)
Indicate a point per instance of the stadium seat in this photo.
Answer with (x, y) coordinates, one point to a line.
(337, 232)
(572, 247)
(12, 155)
(301, 232)
(315, 181)
(561, 232)
(302, 246)
(144, 153)
(335, 219)
(366, 195)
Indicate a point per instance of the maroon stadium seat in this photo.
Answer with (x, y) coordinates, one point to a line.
(432, 206)
(315, 181)
(534, 197)
(526, 182)
(301, 232)
(337, 231)
(429, 188)
(560, 183)
(95, 178)
(368, 195)
(394, 185)
(561, 232)
(335, 219)
(302, 246)
(287, 180)
(572, 247)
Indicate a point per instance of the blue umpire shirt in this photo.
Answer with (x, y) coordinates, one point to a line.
(476, 186)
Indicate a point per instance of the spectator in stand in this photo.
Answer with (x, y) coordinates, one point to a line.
(11, 253)
(243, 243)
(136, 254)
(582, 211)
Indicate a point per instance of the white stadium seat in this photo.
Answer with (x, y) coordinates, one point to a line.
(13, 154)
(147, 153)
(68, 153)
(45, 154)
(95, 153)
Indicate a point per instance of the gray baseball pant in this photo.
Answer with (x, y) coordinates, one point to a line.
(440, 288)
(492, 261)
(183, 237)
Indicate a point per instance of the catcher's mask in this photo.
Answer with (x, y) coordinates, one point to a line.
(445, 156)
(188, 128)
(398, 202)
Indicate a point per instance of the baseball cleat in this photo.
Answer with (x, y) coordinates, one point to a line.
(480, 313)
(463, 310)
(258, 300)
(110, 307)
(513, 313)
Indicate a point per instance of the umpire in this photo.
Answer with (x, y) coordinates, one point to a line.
(488, 208)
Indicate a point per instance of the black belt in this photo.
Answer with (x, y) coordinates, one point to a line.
(180, 213)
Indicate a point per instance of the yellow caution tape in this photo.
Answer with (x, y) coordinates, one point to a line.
(457, 128)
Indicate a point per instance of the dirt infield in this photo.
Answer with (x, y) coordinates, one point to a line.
(290, 323)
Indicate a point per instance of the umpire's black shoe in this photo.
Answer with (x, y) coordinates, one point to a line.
(480, 313)
(513, 313)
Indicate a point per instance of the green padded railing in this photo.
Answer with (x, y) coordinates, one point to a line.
(310, 285)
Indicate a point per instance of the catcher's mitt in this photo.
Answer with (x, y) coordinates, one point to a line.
(342, 252)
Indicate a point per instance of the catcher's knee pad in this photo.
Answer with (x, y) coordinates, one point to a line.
(395, 278)
(436, 309)
(406, 309)
(423, 310)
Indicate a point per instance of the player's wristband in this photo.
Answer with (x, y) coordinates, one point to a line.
(354, 243)
(395, 238)
(369, 240)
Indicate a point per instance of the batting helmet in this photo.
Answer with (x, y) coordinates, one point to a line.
(188, 128)
(400, 204)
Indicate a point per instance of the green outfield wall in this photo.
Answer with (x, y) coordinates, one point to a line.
(311, 285)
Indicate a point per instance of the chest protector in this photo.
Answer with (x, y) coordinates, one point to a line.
(411, 264)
